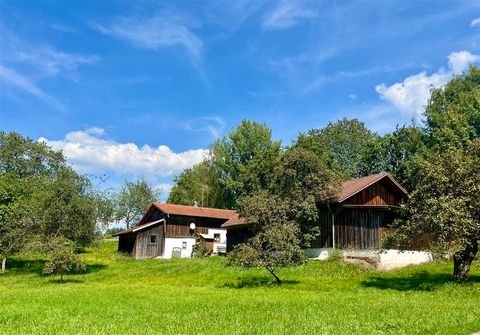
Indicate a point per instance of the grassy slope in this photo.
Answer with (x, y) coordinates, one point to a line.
(122, 296)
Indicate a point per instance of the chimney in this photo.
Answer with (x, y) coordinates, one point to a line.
(195, 203)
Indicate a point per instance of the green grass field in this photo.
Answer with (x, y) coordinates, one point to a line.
(119, 295)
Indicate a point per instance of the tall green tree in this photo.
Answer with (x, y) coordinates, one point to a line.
(133, 200)
(453, 112)
(41, 197)
(200, 183)
(445, 206)
(347, 146)
(244, 160)
(284, 217)
(65, 206)
(402, 148)
(15, 197)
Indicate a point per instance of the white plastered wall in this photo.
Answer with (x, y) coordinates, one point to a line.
(177, 242)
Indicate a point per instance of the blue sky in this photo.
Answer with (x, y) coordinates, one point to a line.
(140, 89)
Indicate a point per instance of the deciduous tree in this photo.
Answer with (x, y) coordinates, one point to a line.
(445, 206)
(133, 200)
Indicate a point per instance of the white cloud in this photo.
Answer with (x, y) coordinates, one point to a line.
(287, 14)
(411, 95)
(475, 22)
(90, 152)
(459, 62)
(153, 33)
(12, 78)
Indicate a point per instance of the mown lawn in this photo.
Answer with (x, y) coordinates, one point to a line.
(118, 295)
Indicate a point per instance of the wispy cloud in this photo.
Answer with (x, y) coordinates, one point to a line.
(475, 22)
(287, 14)
(12, 78)
(46, 59)
(213, 125)
(52, 62)
(90, 151)
(411, 95)
(154, 32)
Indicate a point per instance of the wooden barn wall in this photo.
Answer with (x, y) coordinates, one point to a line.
(237, 236)
(144, 249)
(325, 238)
(358, 228)
(179, 226)
(380, 193)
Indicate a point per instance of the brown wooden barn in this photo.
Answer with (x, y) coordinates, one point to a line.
(168, 230)
(364, 207)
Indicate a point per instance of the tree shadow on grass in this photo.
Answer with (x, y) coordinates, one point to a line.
(421, 281)
(36, 266)
(65, 281)
(257, 281)
(25, 265)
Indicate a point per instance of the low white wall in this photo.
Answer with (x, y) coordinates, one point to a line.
(384, 259)
(320, 254)
(391, 259)
(177, 242)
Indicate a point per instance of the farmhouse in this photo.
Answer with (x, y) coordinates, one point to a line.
(168, 230)
(355, 220)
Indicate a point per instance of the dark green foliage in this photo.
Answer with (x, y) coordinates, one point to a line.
(346, 146)
(200, 248)
(25, 158)
(401, 149)
(65, 206)
(453, 112)
(284, 217)
(304, 183)
(244, 160)
(445, 206)
(41, 197)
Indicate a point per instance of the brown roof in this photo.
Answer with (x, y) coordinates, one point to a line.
(204, 212)
(352, 187)
(138, 227)
(235, 220)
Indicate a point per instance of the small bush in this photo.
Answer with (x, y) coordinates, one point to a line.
(62, 259)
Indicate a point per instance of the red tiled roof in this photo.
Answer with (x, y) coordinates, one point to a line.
(204, 212)
(235, 220)
(352, 187)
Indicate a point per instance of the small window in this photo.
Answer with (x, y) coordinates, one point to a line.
(184, 245)
(153, 239)
(216, 237)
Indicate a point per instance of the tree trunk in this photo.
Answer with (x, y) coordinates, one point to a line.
(4, 263)
(274, 275)
(462, 261)
(61, 277)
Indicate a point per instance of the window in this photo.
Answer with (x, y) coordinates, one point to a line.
(184, 245)
(153, 239)
(216, 237)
